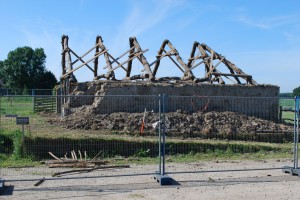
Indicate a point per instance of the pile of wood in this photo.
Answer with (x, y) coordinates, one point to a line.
(85, 164)
(74, 161)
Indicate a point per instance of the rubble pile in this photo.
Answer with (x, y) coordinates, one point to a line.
(177, 123)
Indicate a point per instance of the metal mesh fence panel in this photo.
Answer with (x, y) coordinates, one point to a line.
(88, 132)
(216, 127)
(31, 92)
(112, 134)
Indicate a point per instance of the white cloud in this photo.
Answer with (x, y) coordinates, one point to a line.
(292, 37)
(250, 22)
(268, 23)
(141, 19)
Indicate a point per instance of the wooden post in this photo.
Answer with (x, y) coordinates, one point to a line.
(280, 113)
(96, 59)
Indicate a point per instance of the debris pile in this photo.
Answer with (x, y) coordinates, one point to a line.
(74, 162)
(177, 123)
(83, 163)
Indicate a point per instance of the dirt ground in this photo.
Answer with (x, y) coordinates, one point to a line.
(224, 184)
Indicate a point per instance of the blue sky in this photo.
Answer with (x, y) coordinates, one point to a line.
(260, 37)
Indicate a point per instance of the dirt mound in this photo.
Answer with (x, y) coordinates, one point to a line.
(177, 123)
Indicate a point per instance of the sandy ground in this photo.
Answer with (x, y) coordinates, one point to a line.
(224, 184)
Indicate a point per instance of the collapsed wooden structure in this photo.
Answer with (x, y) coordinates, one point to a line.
(206, 58)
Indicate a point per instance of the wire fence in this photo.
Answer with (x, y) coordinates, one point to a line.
(126, 132)
(31, 92)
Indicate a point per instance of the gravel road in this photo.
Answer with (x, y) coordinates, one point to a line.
(225, 184)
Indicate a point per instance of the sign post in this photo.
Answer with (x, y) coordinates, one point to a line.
(22, 121)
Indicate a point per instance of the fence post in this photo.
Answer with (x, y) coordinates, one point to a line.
(159, 132)
(280, 114)
(295, 169)
(1, 181)
(161, 176)
(296, 132)
(164, 134)
(0, 113)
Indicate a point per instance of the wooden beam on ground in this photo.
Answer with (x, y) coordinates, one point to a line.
(53, 156)
(90, 169)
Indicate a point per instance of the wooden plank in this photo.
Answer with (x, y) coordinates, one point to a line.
(175, 63)
(77, 165)
(79, 58)
(134, 56)
(115, 60)
(65, 75)
(40, 182)
(233, 75)
(213, 68)
(89, 50)
(211, 61)
(141, 58)
(232, 67)
(90, 169)
(196, 65)
(161, 57)
(51, 154)
(178, 57)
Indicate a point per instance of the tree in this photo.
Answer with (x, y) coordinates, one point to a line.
(25, 68)
(286, 94)
(296, 91)
(2, 75)
(46, 79)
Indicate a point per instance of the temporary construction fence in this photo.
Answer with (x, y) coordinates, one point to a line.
(30, 92)
(45, 103)
(123, 133)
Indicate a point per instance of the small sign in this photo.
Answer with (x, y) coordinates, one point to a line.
(22, 120)
(11, 115)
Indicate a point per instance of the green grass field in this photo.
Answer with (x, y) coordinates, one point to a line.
(287, 116)
(22, 106)
(287, 103)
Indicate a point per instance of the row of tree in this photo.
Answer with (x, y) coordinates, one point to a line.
(296, 92)
(24, 68)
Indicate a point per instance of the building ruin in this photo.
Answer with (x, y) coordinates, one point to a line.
(233, 82)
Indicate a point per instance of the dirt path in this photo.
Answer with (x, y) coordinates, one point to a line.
(258, 185)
